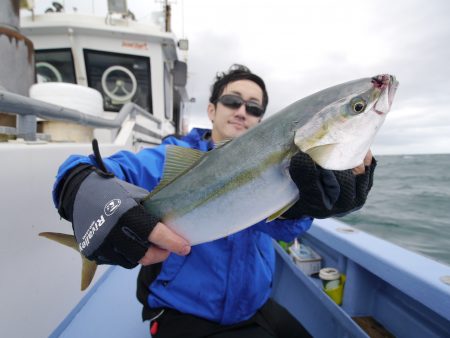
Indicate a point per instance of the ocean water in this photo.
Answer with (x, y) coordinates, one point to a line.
(410, 204)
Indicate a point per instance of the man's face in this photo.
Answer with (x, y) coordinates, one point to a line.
(228, 122)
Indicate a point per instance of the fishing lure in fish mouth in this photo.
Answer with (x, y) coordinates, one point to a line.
(247, 176)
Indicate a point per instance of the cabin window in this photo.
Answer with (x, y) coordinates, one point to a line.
(120, 78)
(168, 103)
(54, 65)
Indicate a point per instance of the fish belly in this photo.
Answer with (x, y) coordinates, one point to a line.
(237, 209)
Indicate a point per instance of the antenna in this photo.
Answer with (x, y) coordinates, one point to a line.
(167, 13)
(182, 19)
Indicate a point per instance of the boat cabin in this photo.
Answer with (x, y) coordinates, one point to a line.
(123, 60)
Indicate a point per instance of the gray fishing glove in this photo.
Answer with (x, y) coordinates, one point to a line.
(326, 193)
(109, 223)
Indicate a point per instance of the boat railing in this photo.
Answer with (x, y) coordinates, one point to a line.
(28, 109)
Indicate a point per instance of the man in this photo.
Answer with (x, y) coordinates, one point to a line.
(215, 289)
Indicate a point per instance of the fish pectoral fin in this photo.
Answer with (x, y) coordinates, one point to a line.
(281, 211)
(88, 267)
(87, 272)
(178, 161)
(320, 154)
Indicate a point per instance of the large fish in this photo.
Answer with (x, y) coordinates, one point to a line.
(206, 196)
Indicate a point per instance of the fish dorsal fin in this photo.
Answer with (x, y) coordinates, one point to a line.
(222, 143)
(281, 211)
(178, 160)
(88, 267)
(322, 153)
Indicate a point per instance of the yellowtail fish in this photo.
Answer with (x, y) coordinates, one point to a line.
(206, 196)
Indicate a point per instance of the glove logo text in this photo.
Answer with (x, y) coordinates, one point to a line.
(112, 206)
(90, 232)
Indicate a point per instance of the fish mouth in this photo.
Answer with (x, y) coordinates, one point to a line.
(381, 81)
(387, 84)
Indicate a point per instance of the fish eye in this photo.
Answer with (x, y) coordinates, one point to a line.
(358, 105)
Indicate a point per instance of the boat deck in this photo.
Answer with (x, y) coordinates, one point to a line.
(385, 298)
(110, 309)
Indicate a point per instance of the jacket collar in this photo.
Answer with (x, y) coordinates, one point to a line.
(199, 138)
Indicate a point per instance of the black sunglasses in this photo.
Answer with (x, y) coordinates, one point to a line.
(235, 102)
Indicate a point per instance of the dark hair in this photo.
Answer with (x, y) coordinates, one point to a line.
(235, 73)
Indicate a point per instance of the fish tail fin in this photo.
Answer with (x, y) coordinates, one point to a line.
(88, 267)
(87, 272)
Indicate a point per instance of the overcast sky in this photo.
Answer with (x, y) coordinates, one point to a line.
(300, 47)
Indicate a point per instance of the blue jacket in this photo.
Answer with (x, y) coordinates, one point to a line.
(225, 280)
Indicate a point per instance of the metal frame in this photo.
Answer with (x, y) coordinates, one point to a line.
(28, 109)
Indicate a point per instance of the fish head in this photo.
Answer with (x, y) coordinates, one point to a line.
(348, 117)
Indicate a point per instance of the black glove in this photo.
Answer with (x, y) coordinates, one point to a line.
(326, 193)
(109, 223)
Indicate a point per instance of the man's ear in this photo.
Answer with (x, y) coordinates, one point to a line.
(211, 111)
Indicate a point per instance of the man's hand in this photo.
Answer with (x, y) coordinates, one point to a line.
(326, 193)
(361, 169)
(110, 224)
(165, 241)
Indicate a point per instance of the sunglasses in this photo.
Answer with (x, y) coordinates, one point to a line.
(235, 102)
